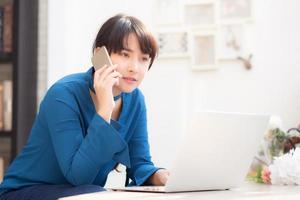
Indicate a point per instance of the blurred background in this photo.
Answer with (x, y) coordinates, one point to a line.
(222, 55)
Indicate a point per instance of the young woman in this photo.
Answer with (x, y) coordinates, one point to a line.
(89, 122)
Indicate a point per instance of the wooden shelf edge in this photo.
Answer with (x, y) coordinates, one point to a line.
(5, 57)
(5, 134)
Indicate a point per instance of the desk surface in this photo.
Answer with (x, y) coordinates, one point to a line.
(246, 191)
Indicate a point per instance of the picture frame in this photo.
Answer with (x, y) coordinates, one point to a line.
(168, 12)
(235, 10)
(206, 32)
(173, 43)
(203, 49)
(200, 14)
(231, 43)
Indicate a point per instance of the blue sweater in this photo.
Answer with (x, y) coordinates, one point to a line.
(71, 144)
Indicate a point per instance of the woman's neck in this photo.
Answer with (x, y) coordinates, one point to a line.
(116, 91)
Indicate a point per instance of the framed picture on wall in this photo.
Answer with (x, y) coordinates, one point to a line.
(203, 50)
(199, 14)
(173, 43)
(231, 41)
(168, 12)
(235, 9)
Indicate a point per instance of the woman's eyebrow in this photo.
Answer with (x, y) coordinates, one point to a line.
(130, 50)
(127, 49)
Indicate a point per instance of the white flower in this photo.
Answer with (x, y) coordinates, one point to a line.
(286, 169)
(275, 122)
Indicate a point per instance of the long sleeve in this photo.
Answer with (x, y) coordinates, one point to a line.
(81, 156)
(140, 159)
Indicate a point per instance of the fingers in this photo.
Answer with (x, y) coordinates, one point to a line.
(109, 69)
(111, 77)
(168, 173)
(107, 75)
(106, 72)
(103, 69)
(113, 74)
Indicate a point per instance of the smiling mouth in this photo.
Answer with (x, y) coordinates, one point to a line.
(129, 79)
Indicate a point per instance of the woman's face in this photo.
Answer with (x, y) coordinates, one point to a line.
(132, 63)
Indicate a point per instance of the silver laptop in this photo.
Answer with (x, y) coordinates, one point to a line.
(215, 154)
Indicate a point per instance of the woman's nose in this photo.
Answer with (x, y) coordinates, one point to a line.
(133, 66)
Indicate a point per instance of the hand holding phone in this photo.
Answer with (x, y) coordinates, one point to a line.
(101, 58)
(104, 81)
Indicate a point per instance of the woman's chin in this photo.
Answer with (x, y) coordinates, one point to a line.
(126, 89)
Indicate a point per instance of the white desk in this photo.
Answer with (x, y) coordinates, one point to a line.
(247, 191)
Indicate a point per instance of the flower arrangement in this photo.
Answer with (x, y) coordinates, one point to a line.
(278, 161)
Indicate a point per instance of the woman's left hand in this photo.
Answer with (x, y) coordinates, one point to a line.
(159, 178)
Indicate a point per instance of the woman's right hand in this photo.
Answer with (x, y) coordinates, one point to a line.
(104, 80)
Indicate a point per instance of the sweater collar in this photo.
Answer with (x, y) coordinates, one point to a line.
(90, 75)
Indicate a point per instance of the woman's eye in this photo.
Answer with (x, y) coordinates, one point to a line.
(124, 54)
(145, 59)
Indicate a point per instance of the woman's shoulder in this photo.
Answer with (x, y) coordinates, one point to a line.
(69, 80)
(73, 81)
(73, 84)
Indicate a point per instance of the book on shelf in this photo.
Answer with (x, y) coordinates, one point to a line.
(1, 29)
(1, 169)
(5, 151)
(7, 28)
(6, 105)
(1, 106)
(7, 100)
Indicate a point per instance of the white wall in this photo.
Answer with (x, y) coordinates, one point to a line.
(277, 58)
(171, 88)
(42, 49)
(73, 25)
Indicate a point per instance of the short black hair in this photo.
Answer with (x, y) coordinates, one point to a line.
(115, 31)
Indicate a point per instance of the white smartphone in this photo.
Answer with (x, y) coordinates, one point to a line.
(101, 58)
